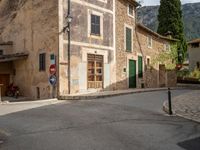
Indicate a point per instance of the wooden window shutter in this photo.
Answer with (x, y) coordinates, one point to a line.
(128, 39)
(140, 67)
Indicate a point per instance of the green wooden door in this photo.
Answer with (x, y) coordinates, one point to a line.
(132, 74)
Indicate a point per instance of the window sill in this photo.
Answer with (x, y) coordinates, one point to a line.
(95, 36)
(131, 16)
(129, 51)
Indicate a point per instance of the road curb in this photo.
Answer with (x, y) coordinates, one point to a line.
(28, 102)
(90, 97)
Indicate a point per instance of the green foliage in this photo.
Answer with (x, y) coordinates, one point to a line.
(169, 58)
(170, 19)
(187, 74)
(195, 74)
(183, 73)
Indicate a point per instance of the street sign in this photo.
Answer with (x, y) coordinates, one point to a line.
(53, 80)
(52, 69)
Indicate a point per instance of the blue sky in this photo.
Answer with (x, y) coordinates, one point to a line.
(157, 2)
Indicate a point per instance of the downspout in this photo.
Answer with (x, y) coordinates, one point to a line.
(69, 47)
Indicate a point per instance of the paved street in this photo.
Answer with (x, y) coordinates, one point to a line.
(130, 122)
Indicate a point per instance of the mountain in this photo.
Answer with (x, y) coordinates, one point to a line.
(191, 18)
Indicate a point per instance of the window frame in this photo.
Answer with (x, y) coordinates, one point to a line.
(128, 11)
(90, 13)
(95, 25)
(149, 37)
(125, 40)
(42, 62)
(167, 47)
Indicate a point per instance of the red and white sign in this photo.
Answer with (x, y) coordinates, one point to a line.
(52, 69)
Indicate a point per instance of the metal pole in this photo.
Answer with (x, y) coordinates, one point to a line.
(69, 46)
(170, 101)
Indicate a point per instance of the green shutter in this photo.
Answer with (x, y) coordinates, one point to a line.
(128, 39)
(140, 67)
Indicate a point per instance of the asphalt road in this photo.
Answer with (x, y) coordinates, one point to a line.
(130, 122)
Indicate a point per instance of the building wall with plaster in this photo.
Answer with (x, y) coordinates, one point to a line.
(32, 26)
(83, 43)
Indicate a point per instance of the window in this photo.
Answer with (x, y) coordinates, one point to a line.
(140, 67)
(148, 61)
(128, 39)
(42, 62)
(167, 47)
(95, 24)
(149, 42)
(198, 65)
(195, 45)
(1, 52)
(130, 10)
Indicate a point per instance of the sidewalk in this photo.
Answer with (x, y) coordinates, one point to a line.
(104, 94)
(186, 105)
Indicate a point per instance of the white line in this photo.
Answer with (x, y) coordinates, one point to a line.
(88, 45)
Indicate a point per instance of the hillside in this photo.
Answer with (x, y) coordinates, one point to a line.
(191, 18)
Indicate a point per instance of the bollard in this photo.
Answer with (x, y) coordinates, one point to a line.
(170, 101)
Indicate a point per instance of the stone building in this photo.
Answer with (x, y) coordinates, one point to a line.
(108, 49)
(136, 47)
(194, 54)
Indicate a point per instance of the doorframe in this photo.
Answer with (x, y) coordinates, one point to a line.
(127, 63)
(95, 71)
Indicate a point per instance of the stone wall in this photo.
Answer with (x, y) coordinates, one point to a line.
(194, 57)
(32, 25)
(140, 48)
(122, 20)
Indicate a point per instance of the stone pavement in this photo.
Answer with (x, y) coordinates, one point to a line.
(186, 105)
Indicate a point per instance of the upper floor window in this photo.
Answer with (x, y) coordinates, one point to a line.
(95, 24)
(130, 10)
(1, 52)
(42, 62)
(128, 39)
(149, 42)
(167, 47)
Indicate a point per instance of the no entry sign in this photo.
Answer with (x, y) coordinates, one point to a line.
(52, 69)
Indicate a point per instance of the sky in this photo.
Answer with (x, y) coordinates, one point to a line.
(157, 2)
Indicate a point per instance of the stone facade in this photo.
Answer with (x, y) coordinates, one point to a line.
(151, 74)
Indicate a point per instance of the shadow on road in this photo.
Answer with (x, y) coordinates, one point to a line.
(193, 144)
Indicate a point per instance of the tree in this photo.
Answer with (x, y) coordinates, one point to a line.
(170, 19)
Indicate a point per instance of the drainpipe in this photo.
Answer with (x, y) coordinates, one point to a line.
(69, 46)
